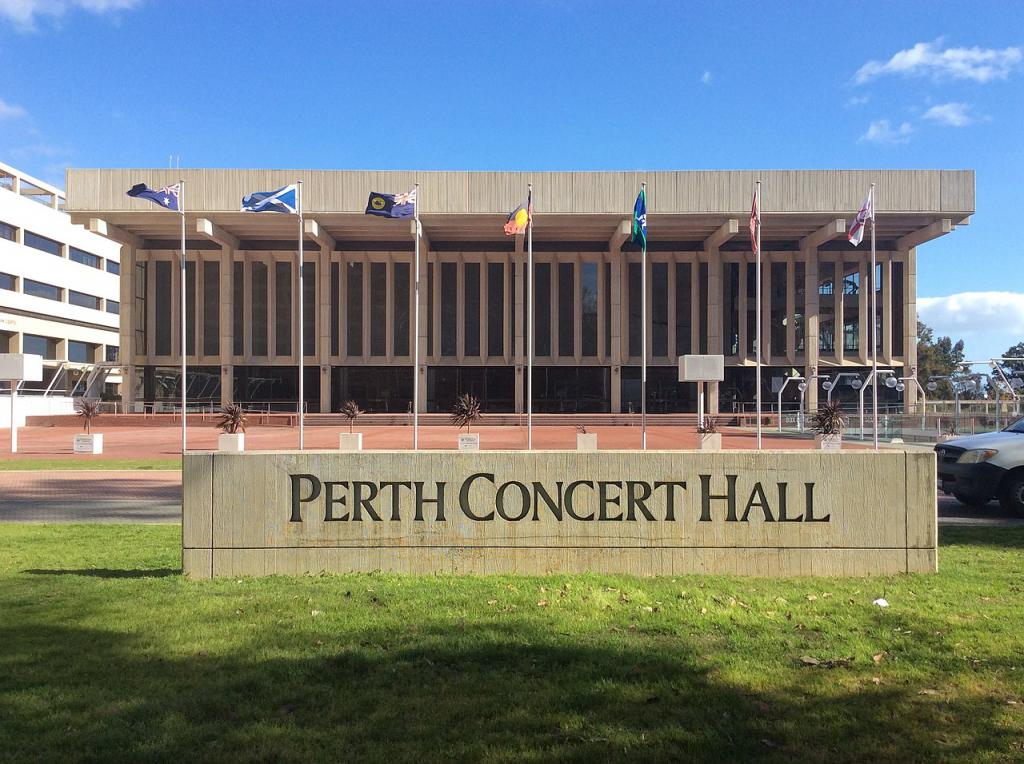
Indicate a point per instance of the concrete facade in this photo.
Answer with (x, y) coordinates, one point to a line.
(359, 298)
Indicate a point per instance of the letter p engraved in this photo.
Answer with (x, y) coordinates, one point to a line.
(297, 500)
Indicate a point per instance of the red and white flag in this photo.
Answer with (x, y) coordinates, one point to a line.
(867, 212)
(755, 223)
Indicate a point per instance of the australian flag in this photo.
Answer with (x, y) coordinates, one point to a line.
(166, 197)
(282, 200)
(392, 205)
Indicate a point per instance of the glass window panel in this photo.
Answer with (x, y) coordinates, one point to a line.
(730, 308)
(878, 307)
(7, 231)
(113, 267)
(354, 309)
(85, 258)
(378, 308)
(702, 308)
(309, 291)
(635, 309)
(826, 307)
(566, 309)
(751, 309)
(496, 309)
(588, 309)
(36, 241)
(684, 308)
(799, 303)
(80, 352)
(449, 308)
(780, 321)
(335, 308)
(211, 307)
(514, 319)
(659, 309)
(400, 316)
(542, 309)
(140, 315)
(238, 308)
(430, 309)
(7, 281)
(113, 306)
(111, 353)
(259, 275)
(39, 289)
(608, 309)
(190, 304)
(35, 345)
(851, 307)
(471, 308)
(283, 308)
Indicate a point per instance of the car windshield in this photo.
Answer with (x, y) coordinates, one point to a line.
(1017, 426)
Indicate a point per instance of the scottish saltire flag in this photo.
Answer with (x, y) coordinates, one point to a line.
(640, 218)
(166, 197)
(282, 200)
(867, 212)
(519, 218)
(755, 222)
(392, 205)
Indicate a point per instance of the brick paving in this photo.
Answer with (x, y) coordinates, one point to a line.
(90, 496)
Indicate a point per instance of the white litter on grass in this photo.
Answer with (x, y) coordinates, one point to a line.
(881, 602)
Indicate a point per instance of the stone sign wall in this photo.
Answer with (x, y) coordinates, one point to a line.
(770, 513)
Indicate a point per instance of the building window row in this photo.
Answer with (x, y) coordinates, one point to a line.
(56, 248)
(34, 288)
(73, 351)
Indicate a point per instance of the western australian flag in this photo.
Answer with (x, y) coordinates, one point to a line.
(166, 197)
(282, 200)
(392, 205)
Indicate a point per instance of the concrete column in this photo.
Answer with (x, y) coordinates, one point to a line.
(323, 325)
(810, 258)
(714, 318)
(910, 322)
(227, 324)
(126, 348)
(885, 301)
(615, 293)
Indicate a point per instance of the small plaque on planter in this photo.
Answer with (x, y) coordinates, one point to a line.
(469, 442)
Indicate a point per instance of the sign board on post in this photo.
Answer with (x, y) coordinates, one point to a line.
(15, 368)
(701, 369)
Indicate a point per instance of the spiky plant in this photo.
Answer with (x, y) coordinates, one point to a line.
(466, 411)
(87, 410)
(232, 419)
(351, 411)
(708, 427)
(829, 419)
(581, 429)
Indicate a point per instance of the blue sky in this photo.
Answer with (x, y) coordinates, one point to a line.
(546, 85)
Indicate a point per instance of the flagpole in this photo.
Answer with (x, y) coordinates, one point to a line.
(302, 322)
(643, 328)
(529, 325)
(874, 325)
(757, 307)
(184, 325)
(416, 327)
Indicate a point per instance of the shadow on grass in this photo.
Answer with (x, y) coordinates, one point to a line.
(1010, 537)
(106, 572)
(491, 691)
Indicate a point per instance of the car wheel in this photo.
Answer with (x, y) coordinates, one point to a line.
(1011, 497)
(970, 501)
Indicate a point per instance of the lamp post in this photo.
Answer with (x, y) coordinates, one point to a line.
(890, 381)
(831, 384)
(802, 386)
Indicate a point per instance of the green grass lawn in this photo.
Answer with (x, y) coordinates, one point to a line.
(90, 464)
(107, 653)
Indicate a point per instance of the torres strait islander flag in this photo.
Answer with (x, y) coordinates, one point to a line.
(867, 212)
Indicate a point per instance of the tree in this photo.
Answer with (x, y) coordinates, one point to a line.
(938, 358)
(1014, 351)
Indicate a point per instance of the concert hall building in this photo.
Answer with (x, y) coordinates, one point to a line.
(243, 333)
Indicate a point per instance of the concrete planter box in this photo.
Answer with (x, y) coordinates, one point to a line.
(710, 441)
(469, 442)
(829, 442)
(350, 441)
(89, 444)
(586, 441)
(231, 443)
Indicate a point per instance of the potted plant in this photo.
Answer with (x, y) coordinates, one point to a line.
(465, 412)
(350, 441)
(828, 423)
(710, 437)
(232, 428)
(585, 441)
(89, 443)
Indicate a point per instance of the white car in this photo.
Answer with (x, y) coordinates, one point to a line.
(978, 468)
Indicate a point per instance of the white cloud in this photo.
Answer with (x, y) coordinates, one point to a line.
(882, 131)
(856, 101)
(24, 12)
(968, 313)
(952, 114)
(706, 78)
(926, 59)
(10, 110)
